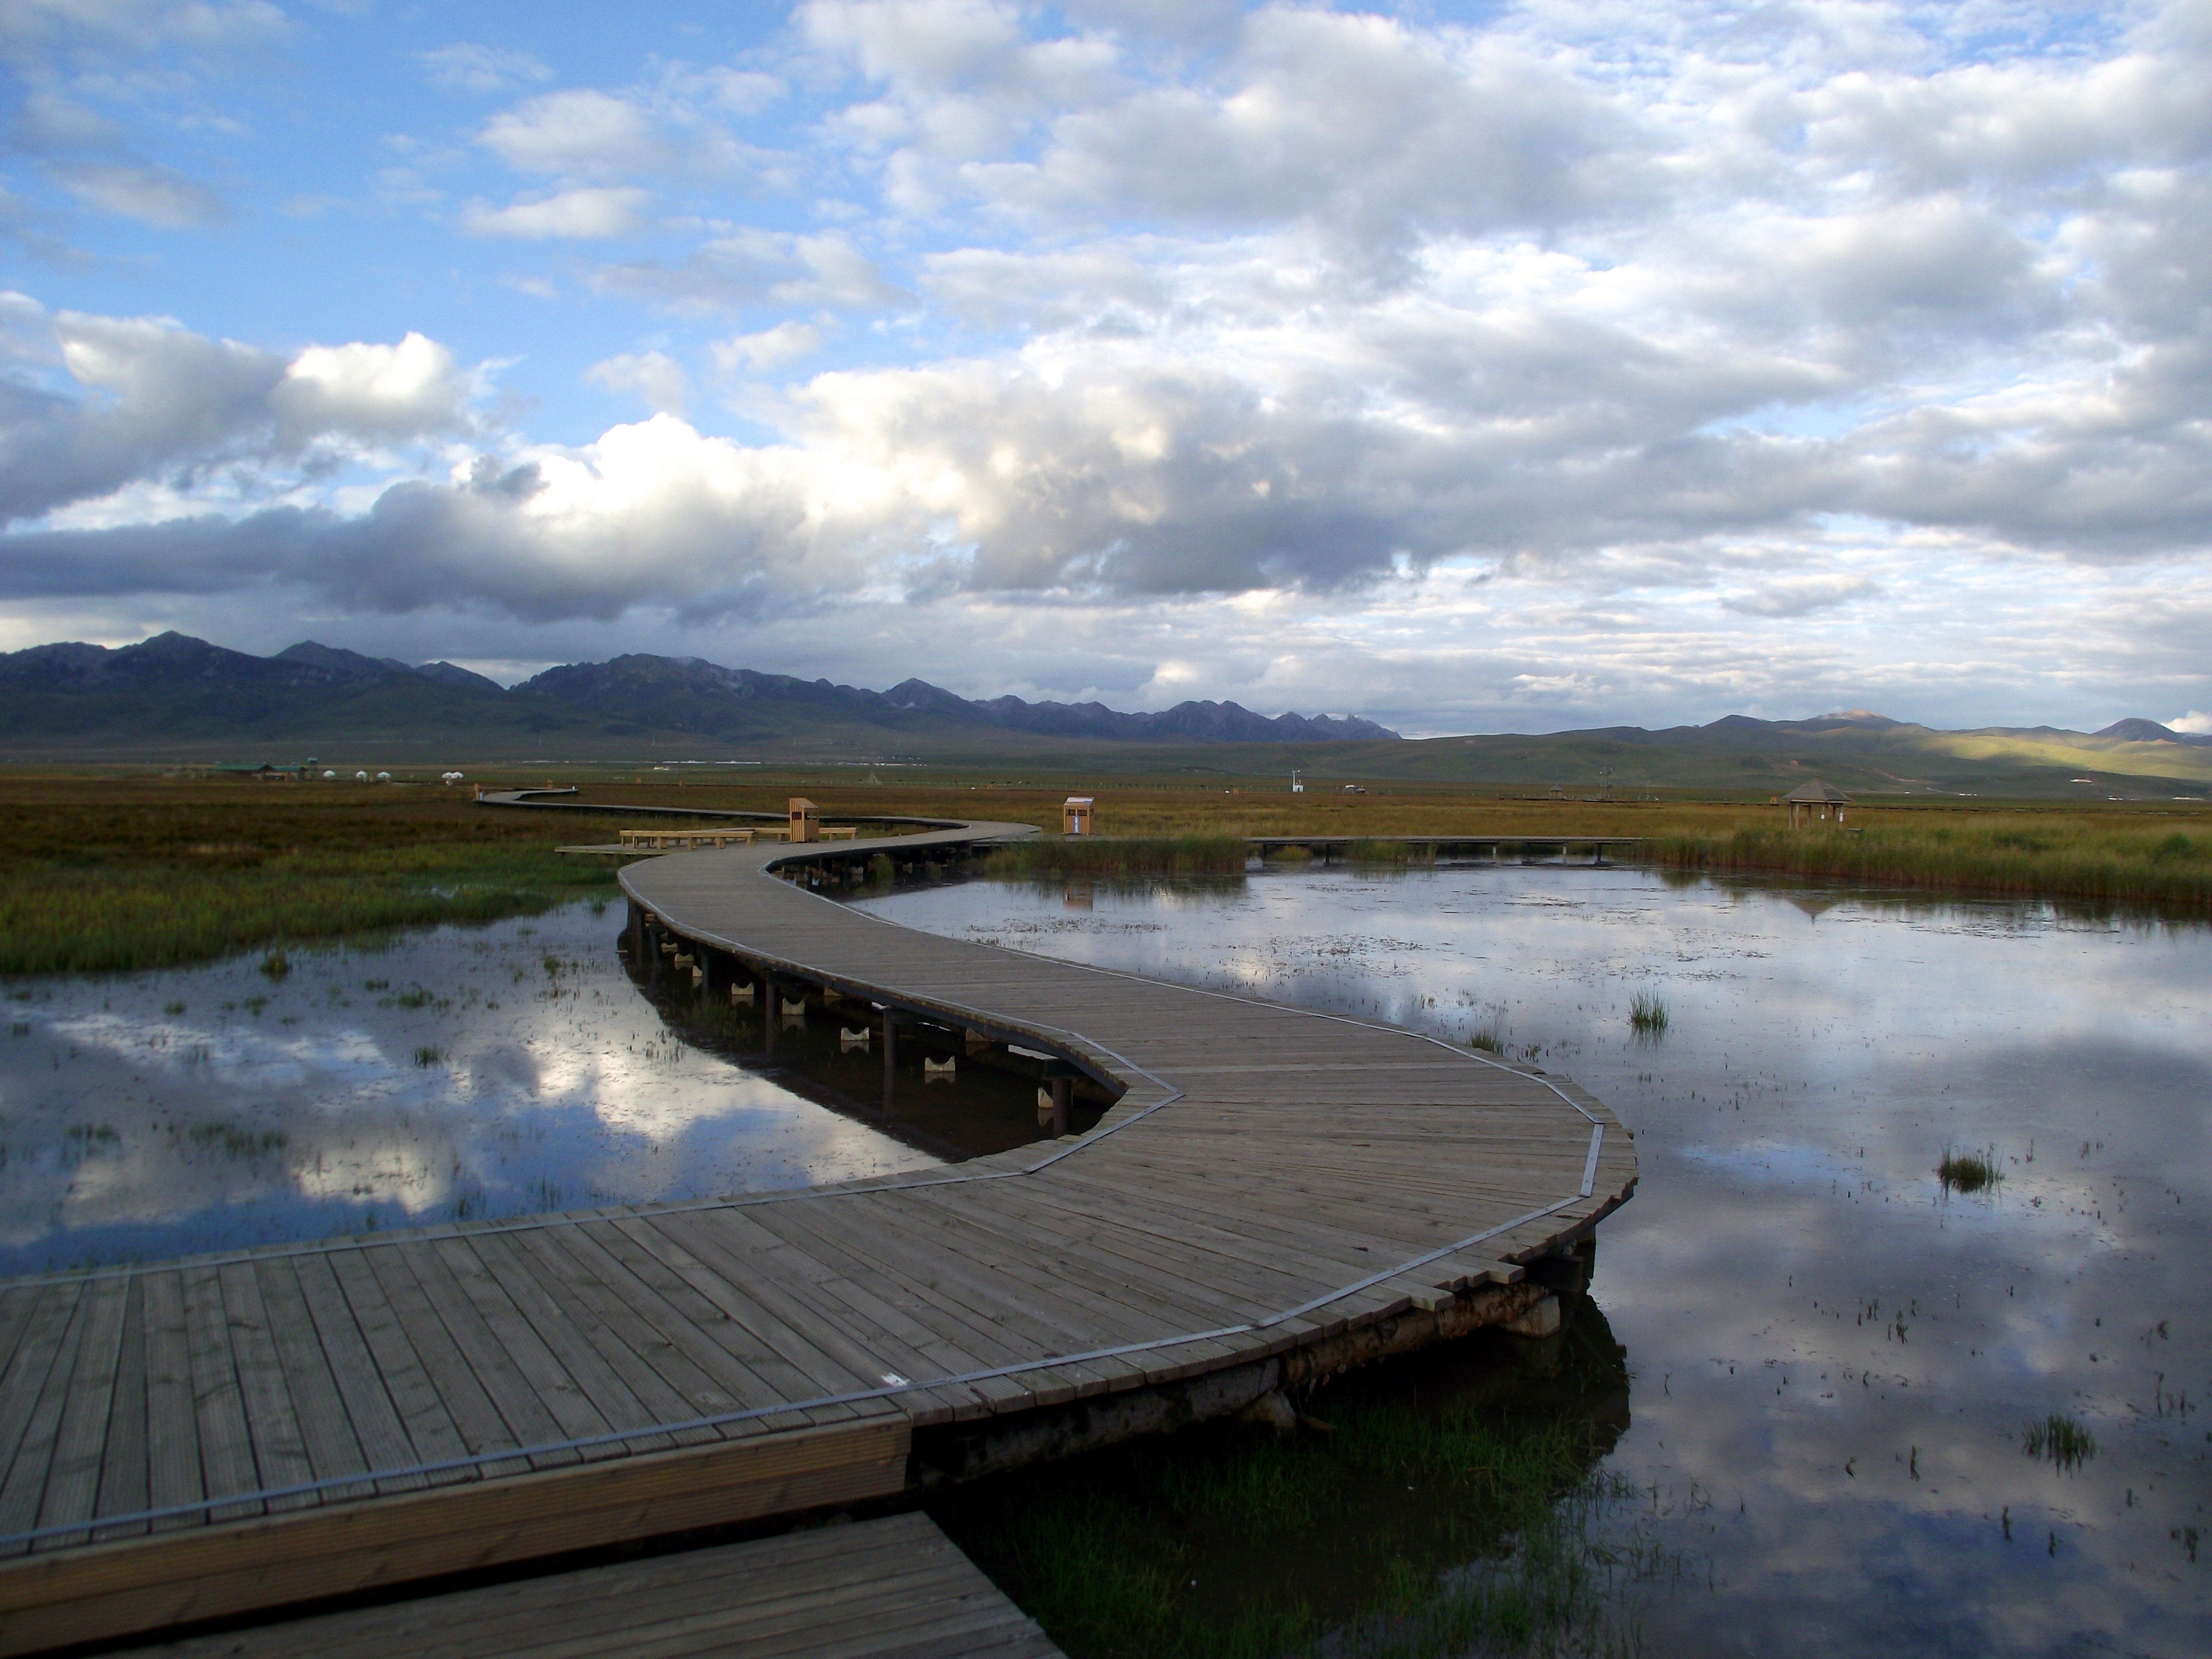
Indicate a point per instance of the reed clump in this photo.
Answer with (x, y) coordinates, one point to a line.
(1972, 1171)
(1373, 850)
(2064, 1441)
(2115, 862)
(1647, 1014)
(1122, 855)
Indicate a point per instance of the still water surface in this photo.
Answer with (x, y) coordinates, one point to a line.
(1833, 1358)
(453, 1073)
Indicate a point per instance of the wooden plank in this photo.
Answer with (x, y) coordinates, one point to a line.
(124, 1481)
(72, 1485)
(24, 1388)
(891, 1587)
(363, 1390)
(280, 1450)
(226, 1442)
(104, 1591)
(176, 1473)
(426, 1417)
(461, 1396)
(323, 1424)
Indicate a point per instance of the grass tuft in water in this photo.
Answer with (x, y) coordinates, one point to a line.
(234, 1142)
(1489, 1039)
(276, 965)
(1969, 1171)
(1647, 1014)
(429, 1054)
(2059, 1438)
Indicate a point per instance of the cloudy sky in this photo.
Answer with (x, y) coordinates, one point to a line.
(1470, 368)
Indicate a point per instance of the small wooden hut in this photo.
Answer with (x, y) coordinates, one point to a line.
(1076, 815)
(806, 819)
(1816, 802)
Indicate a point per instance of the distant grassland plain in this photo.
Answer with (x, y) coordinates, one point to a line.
(126, 871)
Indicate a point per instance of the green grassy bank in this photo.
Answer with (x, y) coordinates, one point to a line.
(131, 876)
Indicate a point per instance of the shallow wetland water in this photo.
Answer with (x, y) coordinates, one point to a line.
(453, 1073)
(1801, 1401)
(1835, 1358)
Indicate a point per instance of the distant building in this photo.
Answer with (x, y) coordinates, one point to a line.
(1076, 815)
(1815, 801)
(806, 819)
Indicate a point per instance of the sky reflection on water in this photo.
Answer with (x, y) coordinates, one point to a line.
(1834, 1359)
(459, 1073)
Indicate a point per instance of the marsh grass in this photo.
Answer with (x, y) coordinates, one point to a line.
(2115, 862)
(121, 875)
(2059, 1438)
(1972, 1171)
(429, 1054)
(1373, 850)
(1122, 1552)
(1489, 1039)
(98, 921)
(1647, 1014)
(1131, 855)
(234, 1142)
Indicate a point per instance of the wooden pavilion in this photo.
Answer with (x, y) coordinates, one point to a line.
(1815, 802)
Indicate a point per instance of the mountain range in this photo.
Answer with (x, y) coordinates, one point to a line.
(175, 693)
(178, 699)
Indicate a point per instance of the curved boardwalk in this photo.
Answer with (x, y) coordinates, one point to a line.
(243, 1429)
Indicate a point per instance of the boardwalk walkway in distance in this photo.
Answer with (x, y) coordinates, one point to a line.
(1274, 1193)
(894, 1588)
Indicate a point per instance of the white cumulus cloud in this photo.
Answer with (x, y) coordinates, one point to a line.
(653, 376)
(589, 213)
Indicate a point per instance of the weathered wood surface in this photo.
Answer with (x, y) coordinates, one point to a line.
(191, 1437)
(894, 1588)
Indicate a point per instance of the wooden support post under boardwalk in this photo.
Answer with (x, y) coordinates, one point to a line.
(769, 995)
(1063, 1093)
(891, 1057)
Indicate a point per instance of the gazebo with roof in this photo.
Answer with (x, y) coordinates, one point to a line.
(1815, 801)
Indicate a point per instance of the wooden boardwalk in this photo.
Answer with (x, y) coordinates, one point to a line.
(894, 1588)
(190, 1438)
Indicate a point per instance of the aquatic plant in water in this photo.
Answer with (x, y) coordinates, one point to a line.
(1647, 1014)
(1969, 1171)
(2060, 1438)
